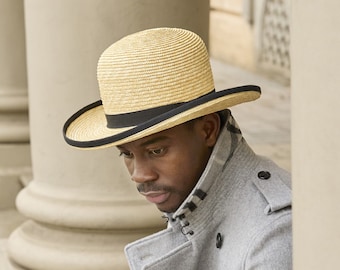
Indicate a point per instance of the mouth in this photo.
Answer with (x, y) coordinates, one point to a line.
(156, 197)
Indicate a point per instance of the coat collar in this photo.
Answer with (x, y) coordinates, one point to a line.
(211, 187)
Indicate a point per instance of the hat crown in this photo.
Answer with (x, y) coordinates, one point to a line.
(153, 68)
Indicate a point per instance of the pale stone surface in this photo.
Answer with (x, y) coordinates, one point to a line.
(315, 134)
(12, 47)
(272, 38)
(14, 131)
(5, 263)
(14, 156)
(254, 35)
(9, 220)
(231, 40)
(13, 80)
(14, 168)
(231, 6)
(9, 188)
(38, 246)
(3, 254)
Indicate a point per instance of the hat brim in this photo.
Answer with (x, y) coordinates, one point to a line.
(88, 129)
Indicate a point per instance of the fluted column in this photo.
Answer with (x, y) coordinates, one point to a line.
(14, 131)
(83, 208)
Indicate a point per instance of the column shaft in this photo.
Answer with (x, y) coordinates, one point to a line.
(14, 131)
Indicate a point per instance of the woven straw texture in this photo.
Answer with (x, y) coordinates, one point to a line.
(153, 68)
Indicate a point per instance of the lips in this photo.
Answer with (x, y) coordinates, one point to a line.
(156, 197)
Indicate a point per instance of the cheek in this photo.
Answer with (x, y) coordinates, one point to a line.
(129, 165)
(182, 172)
(194, 164)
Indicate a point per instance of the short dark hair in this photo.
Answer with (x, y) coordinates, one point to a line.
(223, 115)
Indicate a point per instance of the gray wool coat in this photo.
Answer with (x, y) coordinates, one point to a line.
(237, 217)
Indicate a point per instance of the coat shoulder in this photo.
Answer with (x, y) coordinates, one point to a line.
(274, 184)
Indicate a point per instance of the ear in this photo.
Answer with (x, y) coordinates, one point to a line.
(210, 128)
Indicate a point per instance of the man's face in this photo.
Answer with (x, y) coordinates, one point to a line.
(167, 165)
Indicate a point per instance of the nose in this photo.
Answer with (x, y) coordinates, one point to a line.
(142, 171)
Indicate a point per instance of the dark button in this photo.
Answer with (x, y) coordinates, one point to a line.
(219, 240)
(264, 175)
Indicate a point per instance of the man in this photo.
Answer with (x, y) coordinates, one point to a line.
(227, 208)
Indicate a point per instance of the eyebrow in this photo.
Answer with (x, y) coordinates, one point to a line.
(148, 142)
(154, 140)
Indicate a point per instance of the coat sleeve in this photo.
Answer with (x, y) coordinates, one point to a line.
(271, 248)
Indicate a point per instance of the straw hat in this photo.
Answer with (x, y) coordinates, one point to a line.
(150, 81)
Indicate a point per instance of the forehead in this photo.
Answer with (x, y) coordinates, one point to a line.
(176, 133)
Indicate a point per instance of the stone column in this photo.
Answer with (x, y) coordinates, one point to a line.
(315, 134)
(14, 131)
(82, 206)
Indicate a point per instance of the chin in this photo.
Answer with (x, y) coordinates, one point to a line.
(167, 210)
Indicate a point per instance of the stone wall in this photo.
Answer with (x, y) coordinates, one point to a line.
(253, 35)
(231, 35)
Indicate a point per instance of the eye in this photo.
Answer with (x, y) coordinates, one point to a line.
(126, 154)
(157, 152)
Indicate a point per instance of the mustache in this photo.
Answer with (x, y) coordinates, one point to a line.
(151, 186)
